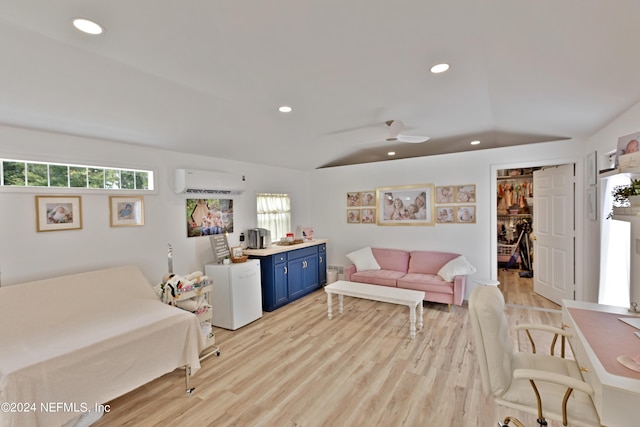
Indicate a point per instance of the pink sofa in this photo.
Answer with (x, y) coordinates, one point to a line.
(416, 270)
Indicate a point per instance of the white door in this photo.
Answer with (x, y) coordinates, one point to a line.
(553, 233)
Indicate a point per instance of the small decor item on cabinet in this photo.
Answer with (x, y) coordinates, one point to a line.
(307, 233)
(237, 255)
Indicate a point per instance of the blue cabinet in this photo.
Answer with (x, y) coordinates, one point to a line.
(289, 275)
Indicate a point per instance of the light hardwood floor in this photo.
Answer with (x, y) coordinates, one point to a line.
(295, 367)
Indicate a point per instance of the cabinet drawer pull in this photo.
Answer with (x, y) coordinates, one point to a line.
(321, 259)
(285, 270)
(583, 369)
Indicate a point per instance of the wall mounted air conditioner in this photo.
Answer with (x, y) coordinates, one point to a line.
(198, 181)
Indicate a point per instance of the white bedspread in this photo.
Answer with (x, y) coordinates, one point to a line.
(69, 343)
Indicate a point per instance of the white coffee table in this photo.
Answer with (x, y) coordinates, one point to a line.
(408, 297)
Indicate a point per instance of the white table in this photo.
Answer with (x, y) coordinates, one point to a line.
(408, 297)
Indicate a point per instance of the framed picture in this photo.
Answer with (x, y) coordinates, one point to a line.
(592, 203)
(126, 211)
(465, 194)
(206, 217)
(444, 194)
(368, 216)
(236, 252)
(405, 205)
(353, 199)
(627, 144)
(353, 216)
(368, 198)
(445, 215)
(592, 169)
(56, 213)
(466, 214)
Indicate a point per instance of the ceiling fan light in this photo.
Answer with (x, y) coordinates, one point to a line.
(87, 26)
(439, 68)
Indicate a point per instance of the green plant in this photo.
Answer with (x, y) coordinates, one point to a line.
(621, 194)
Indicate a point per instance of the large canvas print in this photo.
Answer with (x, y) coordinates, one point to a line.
(405, 205)
(206, 217)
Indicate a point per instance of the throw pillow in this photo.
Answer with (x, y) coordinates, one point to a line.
(363, 259)
(455, 267)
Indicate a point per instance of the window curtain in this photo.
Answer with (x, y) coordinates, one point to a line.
(274, 214)
(615, 243)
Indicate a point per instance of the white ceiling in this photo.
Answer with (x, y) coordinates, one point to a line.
(207, 76)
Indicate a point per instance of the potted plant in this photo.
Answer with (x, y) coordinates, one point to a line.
(626, 195)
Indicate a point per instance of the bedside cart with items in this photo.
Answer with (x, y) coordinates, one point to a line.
(191, 293)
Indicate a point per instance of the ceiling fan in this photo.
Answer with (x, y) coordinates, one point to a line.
(395, 129)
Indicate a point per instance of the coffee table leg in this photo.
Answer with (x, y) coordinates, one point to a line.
(412, 321)
(329, 313)
(420, 309)
(340, 304)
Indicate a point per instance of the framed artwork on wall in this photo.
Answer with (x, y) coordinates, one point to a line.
(465, 194)
(466, 214)
(353, 199)
(445, 194)
(57, 213)
(592, 203)
(368, 198)
(368, 216)
(592, 168)
(353, 216)
(126, 211)
(445, 215)
(206, 217)
(405, 205)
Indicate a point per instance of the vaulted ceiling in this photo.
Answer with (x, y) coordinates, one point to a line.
(207, 76)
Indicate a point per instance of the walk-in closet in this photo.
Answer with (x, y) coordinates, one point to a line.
(515, 219)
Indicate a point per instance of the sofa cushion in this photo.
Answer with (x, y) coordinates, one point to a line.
(426, 283)
(429, 262)
(363, 259)
(392, 259)
(377, 277)
(456, 267)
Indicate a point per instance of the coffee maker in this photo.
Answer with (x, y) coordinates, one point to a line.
(259, 238)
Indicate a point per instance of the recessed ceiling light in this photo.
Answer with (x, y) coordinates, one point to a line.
(285, 109)
(87, 26)
(439, 68)
(391, 153)
(476, 142)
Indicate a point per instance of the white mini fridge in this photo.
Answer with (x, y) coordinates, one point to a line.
(236, 299)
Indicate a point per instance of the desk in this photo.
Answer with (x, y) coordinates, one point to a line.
(597, 338)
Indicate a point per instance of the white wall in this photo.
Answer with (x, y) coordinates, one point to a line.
(28, 255)
(329, 188)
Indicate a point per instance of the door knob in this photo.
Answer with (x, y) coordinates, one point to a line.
(533, 236)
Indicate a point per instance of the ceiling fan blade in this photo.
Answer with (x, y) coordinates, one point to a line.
(412, 139)
(395, 127)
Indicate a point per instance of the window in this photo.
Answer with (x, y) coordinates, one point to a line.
(18, 173)
(274, 214)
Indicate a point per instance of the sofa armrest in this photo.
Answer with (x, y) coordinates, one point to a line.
(348, 271)
(459, 289)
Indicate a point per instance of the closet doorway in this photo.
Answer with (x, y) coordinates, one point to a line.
(515, 220)
(513, 243)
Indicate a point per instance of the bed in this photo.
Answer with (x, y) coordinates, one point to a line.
(72, 342)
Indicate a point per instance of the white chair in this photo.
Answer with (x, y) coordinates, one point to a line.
(538, 384)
